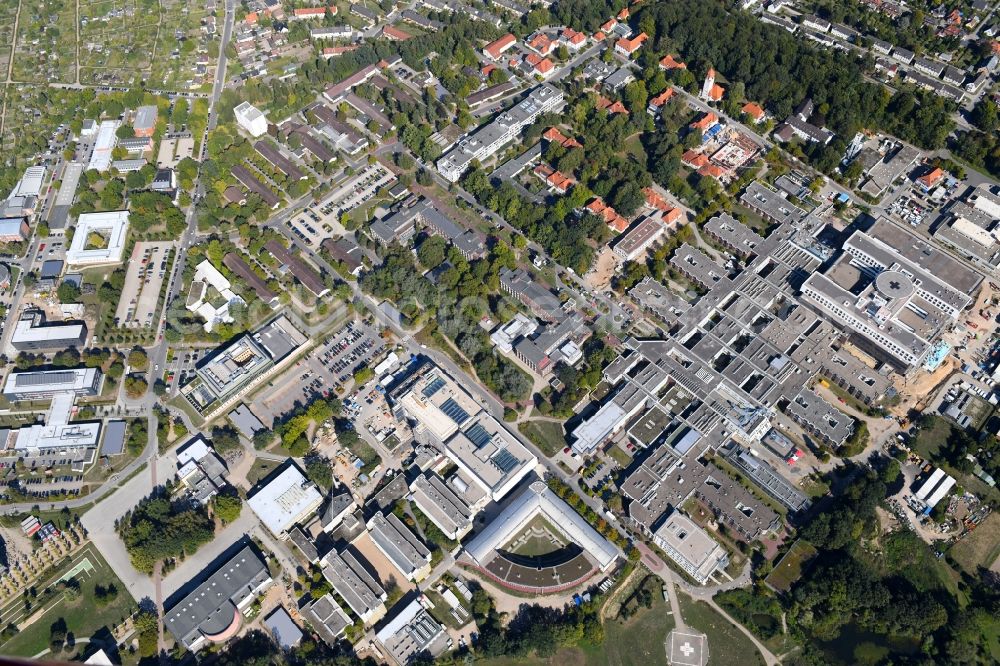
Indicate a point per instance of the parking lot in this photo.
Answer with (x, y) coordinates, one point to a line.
(330, 368)
(146, 269)
(173, 150)
(356, 191)
(53, 249)
(182, 366)
(311, 228)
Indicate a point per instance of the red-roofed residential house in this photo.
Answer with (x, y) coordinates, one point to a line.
(603, 103)
(754, 112)
(668, 63)
(572, 39)
(627, 47)
(712, 170)
(540, 66)
(542, 44)
(312, 12)
(395, 34)
(673, 218)
(656, 103)
(608, 214)
(931, 178)
(333, 51)
(609, 26)
(694, 159)
(654, 200)
(556, 180)
(554, 135)
(494, 49)
(705, 122)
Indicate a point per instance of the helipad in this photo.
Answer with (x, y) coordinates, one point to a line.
(687, 648)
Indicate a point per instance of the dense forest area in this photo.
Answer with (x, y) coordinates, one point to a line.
(886, 582)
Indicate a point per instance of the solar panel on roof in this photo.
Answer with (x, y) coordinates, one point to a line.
(39, 378)
(454, 411)
(433, 387)
(505, 461)
(477, 435)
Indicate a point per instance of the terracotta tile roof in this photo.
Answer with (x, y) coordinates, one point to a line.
(928, 179)
(630, 46)
(609, 214)
(495, 48)
(694, 159)
(541, 43)
(711, 170)
(307, 12)
(705, 121)
(672, 216)
(395, 34)
(339, 50)
(662, 98)
(654, 199)
(554, 135)
(668, 62)
(538, 63)
(754, 111)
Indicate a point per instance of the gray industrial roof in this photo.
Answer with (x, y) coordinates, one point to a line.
(114, 438)
(211, 607)
(285, 631)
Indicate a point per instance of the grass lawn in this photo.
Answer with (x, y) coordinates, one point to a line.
(789, 568)
(260, 469)
(638, 641)
(633, 146)
(981, 548)
(546, 435)
(619, 456)
(928, 441)
(430, 336)
(83, 617)
(752, 219)
(363, 450)
(726, 643)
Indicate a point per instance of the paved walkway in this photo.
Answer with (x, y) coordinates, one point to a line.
(99, 522)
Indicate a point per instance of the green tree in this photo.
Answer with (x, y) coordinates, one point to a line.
(227, 506)
(68, 292)
(138, 360)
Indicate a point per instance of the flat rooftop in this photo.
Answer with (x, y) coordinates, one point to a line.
(285, 500)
